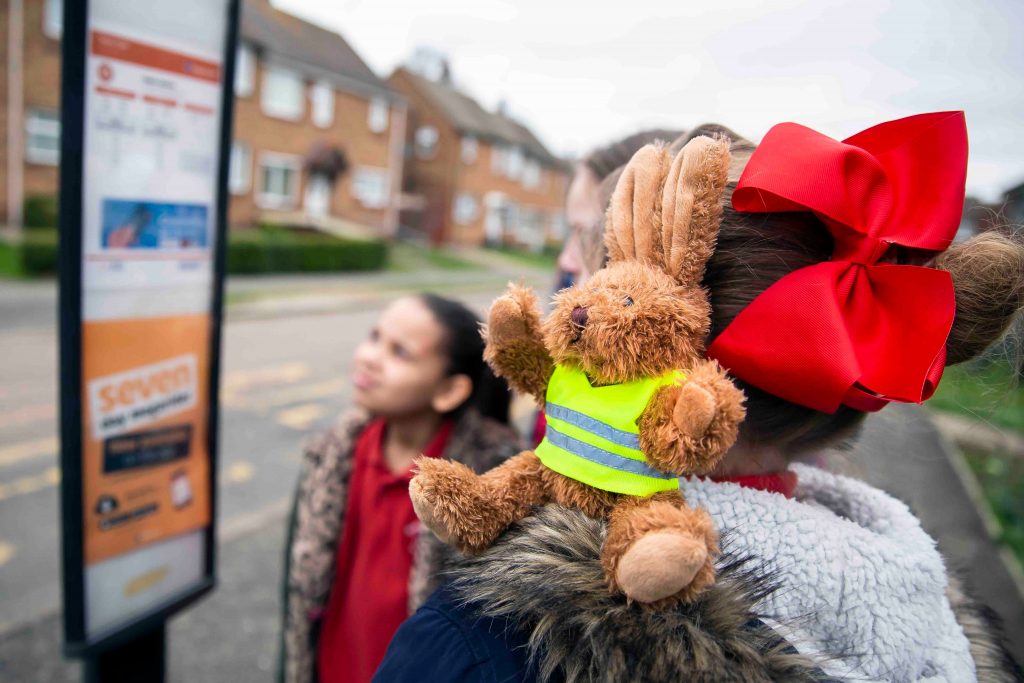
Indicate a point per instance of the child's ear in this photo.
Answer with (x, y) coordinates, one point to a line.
(453, 392)
(633, 225)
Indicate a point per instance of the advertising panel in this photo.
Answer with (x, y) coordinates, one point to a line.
(146, 137)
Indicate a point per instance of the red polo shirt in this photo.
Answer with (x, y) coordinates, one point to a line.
(370, 595)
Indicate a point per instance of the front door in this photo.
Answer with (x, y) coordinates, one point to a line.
(317, 201)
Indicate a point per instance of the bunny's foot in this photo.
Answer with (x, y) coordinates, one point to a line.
(468, 510)
(659, 551)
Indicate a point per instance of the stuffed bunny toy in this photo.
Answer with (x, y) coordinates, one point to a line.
(631, 401)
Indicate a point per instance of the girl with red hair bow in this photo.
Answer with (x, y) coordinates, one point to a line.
(835, 290)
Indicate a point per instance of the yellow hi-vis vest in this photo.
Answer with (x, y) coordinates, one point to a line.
(592, 434)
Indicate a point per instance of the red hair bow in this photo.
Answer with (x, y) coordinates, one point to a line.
(852, 330)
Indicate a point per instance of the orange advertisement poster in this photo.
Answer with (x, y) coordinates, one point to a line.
(145, 463)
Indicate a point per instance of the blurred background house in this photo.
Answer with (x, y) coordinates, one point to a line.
(319, 140)
(475, 176)
(318, 136)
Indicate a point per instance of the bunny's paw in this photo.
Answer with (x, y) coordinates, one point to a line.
(688, 428)
(513, 317)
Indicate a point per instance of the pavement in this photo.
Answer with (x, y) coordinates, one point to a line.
(286, 348)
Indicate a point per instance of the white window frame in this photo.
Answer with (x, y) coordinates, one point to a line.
(266, 200)
(240, 168)
(423, 131)
(382, 176)
(531, 174)
(559, 226)
(470, 149)
(514, 162)
(377, 115)
(321, 103)
(53, 18)
(498, 153)
(277, 109)
(245, 70)
(42, 123)
(465, 208)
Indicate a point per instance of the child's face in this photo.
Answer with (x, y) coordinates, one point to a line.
(399, 369)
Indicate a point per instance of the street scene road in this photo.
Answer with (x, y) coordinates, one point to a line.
(286, 352)
(287, 347)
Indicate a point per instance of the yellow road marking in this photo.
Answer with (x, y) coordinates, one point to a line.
(300, 417)
(305, 392)
(238, 472)
(37, 482)
(50, 477)
(28, 450)
(29, 414)
(240, 381)
(6, 552)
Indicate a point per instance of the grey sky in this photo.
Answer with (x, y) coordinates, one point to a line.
(581, 74)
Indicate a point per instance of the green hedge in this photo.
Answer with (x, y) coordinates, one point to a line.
(249, 252)
(40, 211)
(273, 250)
(34, 254)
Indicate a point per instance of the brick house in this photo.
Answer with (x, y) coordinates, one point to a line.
(480, 176)
(318, 136)
(316, 132)
(29, 102)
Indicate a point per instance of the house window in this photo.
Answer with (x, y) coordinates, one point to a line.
(466, 208)
(53, 18)
(468, 149)
(530, 228)
(245, 71)
(322, 97)
(279, 181)
(498, 160)
(426, 142)
(377, 116)
(42, 137)
(514, 163)
(282, 93)
(531, 174)
(559, 227)
(240, 168)
(370, 187)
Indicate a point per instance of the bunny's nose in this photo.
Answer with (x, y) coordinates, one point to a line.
(579, 316)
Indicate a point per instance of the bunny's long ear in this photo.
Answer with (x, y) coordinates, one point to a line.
(633, 225)
(692, 207)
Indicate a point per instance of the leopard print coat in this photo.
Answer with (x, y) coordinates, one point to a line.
(318, 516)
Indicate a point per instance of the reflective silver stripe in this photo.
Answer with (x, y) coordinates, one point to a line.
(601, 456)
(592, 425)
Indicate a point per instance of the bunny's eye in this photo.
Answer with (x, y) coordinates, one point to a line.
(628, 301)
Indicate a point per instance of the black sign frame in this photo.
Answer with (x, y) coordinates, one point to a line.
(73, 99)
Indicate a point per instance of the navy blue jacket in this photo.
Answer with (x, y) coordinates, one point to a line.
(445, 641)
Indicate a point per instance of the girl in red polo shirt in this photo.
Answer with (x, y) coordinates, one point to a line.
(357, 561)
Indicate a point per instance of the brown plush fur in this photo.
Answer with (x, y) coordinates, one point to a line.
(515, 349)
(687, 534)
(646, 315)
(666, 428)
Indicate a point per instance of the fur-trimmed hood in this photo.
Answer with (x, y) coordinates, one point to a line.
(545, 575)
(318, 516)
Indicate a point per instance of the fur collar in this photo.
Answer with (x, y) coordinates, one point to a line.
(319, 515)
(545, 575)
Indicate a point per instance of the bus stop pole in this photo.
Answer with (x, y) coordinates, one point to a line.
(140, 660)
